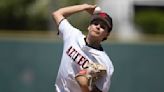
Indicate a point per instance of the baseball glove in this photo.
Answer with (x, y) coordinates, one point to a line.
(92, 72)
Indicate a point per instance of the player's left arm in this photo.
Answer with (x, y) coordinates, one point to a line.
(88, 77)
(83, 83)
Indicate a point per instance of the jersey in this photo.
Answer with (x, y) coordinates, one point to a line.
(76, 55)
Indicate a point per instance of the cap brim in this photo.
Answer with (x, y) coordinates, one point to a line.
(101, 18)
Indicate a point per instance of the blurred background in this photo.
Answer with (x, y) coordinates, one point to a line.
(30, 50)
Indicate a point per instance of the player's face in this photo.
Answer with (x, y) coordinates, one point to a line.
(99, 29)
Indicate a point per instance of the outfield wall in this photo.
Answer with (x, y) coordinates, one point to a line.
(31, 66)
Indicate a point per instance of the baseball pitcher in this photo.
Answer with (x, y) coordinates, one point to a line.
(85, 67)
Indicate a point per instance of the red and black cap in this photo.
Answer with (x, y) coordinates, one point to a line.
(104, 17)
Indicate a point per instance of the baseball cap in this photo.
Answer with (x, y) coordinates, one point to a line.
(104, 17)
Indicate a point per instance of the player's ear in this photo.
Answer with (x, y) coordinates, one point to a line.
(89, 27)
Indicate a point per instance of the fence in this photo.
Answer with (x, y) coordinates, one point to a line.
(31, 66)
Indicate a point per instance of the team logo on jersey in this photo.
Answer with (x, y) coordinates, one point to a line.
(77, 57)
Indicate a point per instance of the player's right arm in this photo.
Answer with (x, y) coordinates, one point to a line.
(65, 12)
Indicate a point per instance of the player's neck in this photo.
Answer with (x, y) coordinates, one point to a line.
(93, 43)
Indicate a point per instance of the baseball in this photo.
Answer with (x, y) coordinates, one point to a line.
(97, 9)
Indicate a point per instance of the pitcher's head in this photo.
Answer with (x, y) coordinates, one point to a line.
(104, 17)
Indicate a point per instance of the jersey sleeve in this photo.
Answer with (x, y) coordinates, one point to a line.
(66, 30)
